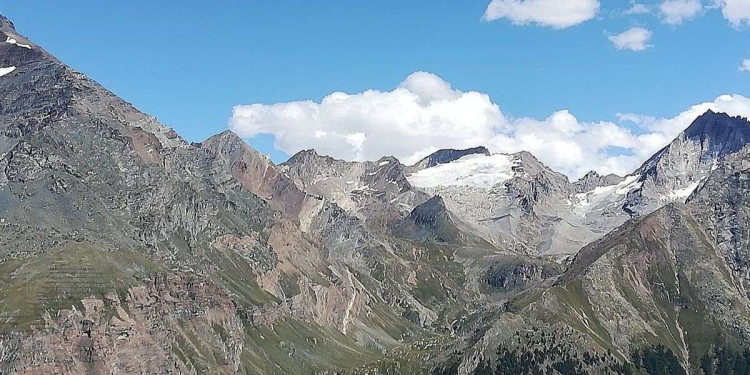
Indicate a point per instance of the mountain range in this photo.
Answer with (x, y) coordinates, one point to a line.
(126, 249)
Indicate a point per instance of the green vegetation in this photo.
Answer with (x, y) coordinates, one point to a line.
(580, 314)
(60, 278)
(293, 347)
(657, 360)
(725, 361)
(549, 359)
(238, 277)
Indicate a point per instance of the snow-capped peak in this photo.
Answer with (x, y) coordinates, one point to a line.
(476, 170)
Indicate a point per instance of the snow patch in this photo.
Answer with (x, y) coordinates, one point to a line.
(684, 192)
(471, 170)
(13, 41)
(8, 70)
(383, 163)
(605, 195)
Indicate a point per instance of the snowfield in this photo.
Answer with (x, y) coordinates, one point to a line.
(472, 170)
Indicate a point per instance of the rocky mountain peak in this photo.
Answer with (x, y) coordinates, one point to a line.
(430, 213)
(533, 180)
(6, 23)
(526, 164)
(230, 142)
(676, 171)
(429, 221)
(23, 46)
(593, 180)
(724, 133)
(436, 204)
(712, 135)
(590, 175)
(308, 157)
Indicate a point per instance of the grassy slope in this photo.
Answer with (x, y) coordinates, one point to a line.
(62, 277)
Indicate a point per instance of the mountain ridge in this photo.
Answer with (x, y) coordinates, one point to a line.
(122, 241)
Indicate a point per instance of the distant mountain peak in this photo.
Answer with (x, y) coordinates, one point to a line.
(227, 136)
(716, 135)
(593, 179)
(448, 155)
(721, 127)
(230, 142)
(6, 23)
(590, 175)
(305, 155)
(427, 222)
(436, 203)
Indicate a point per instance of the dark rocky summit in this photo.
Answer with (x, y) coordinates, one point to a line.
(447, 156)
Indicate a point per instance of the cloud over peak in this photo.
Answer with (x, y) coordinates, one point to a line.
(424, 114)
(551, 13)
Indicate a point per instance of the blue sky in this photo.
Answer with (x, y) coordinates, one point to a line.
(190, 62)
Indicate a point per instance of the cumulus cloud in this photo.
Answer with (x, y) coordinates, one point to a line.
(634, 39)
(551, 13)
(737, 12)
(675, 12)
(637, 8)
(745, 67)
(424, 114)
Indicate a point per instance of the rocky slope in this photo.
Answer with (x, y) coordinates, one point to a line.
(656, 282)
(377, 193)
(126, 249)
(720, 204)
(84, 170)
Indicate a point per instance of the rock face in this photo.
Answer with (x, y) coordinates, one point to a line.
(720, 204)
(255, 172)
(432, 222)
(377, 193)
(125, 249)
(650, 281)
(677, 170)
(286, 268)
(593, 180)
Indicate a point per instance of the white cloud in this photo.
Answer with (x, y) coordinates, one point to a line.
(675, 12)
(634, 39)
(737, 12)
(557, 14)
(425, 114)
(637, 8)
(745, 67)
